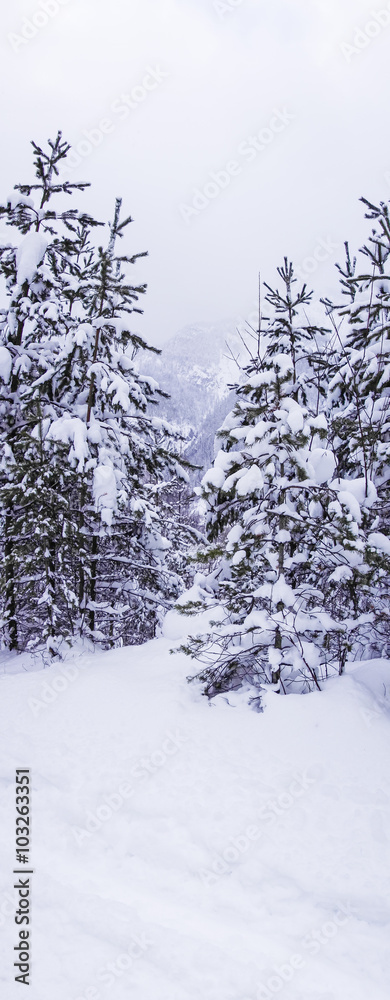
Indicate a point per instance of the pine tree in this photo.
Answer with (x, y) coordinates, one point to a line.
(277, 529)
(30, 323)
(82, 448)
(360, 415)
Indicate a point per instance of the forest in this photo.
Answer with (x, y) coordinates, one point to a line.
(279, 553)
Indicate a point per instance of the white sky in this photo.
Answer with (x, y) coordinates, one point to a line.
(225, 73)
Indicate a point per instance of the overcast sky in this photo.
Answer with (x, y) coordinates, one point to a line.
(272, 114)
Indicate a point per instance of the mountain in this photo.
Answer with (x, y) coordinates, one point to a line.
(196, 367)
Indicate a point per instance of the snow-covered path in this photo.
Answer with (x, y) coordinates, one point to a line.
(193, 851)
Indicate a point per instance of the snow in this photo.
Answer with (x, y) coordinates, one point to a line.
(50, 310)
(16, 198)
(146, 379)
(279, 591)
(94, 434)
(105, 492)
(321, 465)
(29, 255)
(176, 626)
(186, 850)
(225, 459)
(250, 482)
(374, 676)
(5, 364)
(295, 415)
(341, 573)
(379, 541)
(282, 364)
(256, 432)
(119, 389)
(81, 335)
(214, 477)
(233, 536)
(349, 500)
(120, 324)
(71, 429)
(318, 423)
(364, 493)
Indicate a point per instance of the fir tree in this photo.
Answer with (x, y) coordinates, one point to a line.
(359, 395)
(277, 529)
(30, 326)
(82, 448)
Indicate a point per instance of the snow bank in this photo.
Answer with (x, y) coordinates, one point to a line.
(185, 850)
(374, 675)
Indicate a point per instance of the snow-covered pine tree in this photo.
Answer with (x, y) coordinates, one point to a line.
(269, 497)
(32, 503)
(359, 404)
(81, 447)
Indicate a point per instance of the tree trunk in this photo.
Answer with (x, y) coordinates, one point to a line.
(94, 565)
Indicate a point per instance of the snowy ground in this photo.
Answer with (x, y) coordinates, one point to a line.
(193, 851)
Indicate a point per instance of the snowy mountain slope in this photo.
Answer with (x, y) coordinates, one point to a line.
(186, 850)
(196, 367)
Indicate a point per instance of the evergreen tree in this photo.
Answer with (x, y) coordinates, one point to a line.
(81, 448)
(279, 532)
(30, 497)
(359, 398)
